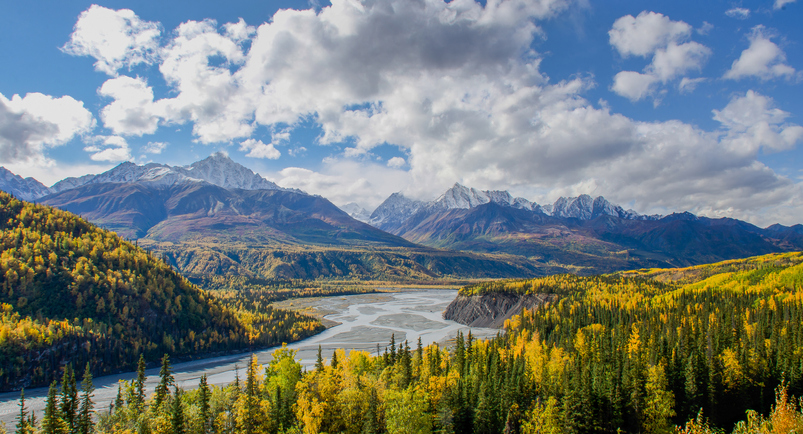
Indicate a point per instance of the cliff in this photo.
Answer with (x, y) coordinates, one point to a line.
(492, 309)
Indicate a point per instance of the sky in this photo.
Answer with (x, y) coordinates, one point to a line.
(658, 106)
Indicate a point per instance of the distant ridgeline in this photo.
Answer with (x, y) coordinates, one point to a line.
(70, 291)
(718, 337)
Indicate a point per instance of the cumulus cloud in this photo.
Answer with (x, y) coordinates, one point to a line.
(762, 59)
(132, 112)
(115, 38)
(738, 13)
(257, 149)
(108, 148)
(458, 89)
(642, 35)
(651, 33)
(31, 124)
(752, 122)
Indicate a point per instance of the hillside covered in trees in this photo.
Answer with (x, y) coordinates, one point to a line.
(710, 350)
(70, 291)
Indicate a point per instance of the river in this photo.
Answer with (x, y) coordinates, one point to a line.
(362, 322)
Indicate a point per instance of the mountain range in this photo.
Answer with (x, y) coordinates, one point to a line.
(576, 231)
(216, 216)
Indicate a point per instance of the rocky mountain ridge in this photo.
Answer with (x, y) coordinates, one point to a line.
(217, 169)
(397, 208)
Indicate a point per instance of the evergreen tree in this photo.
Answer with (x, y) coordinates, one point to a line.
(139, 384)
(319, 361)
(53, 423)
(22, 418)
(165, 381)
(177, 413)
(205, 395)
(334, 360)
(393, 348)
(69, 398)
(85, 424)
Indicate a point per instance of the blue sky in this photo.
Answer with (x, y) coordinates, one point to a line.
(658, 106)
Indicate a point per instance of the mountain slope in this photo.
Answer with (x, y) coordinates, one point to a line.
(72, 292)
(203, 212)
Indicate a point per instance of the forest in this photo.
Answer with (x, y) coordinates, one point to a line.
(73, 292)
(706, 349)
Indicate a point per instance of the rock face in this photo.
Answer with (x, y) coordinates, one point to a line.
(491, 310)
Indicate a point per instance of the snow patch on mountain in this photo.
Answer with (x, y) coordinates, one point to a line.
(24, 188)
(394, 210)
(356, 212)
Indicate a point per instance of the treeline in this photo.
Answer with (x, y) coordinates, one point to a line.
(70, 291)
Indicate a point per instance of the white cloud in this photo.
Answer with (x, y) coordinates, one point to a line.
(31, 124)
(108, 148)
(257, 149)
(132, 112)
(154, 147)
(753, 122)
(781, 3)
(115, 38)
(397, 162)
(762, 59)
(457, 88)
(642, 35)
(633, 85)
(689, 84)
(738, 13)
(344, 181)
(654, 34)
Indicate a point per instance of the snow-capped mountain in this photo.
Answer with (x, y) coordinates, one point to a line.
(25, 189)
(356, 212)
(461, 197)
(397, 208)
(584, 207)
(394, 210)
(217, 169)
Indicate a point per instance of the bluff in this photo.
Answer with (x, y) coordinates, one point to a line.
(492, 309)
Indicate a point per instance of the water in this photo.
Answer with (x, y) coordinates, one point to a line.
(366, 321)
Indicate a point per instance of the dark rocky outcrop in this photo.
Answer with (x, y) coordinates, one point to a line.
(491, 310)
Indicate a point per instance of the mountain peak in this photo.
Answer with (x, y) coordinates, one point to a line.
(217, 169)
(26, 189)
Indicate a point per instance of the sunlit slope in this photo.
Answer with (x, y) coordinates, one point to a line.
(71, 291)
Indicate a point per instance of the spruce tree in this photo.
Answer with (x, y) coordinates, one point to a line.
(69, 398)
(52, 423)
(334, 360)
(85, 424)
(165, 381)
(205, 396)
(22, 418)
(177, 413)
(139, 384)
(319, 361)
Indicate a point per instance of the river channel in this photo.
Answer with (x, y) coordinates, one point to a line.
(358, 322)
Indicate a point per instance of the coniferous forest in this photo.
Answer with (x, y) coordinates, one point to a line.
(72, 292)
(707, 349)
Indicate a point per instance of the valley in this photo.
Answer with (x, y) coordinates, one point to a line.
(211, 264)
